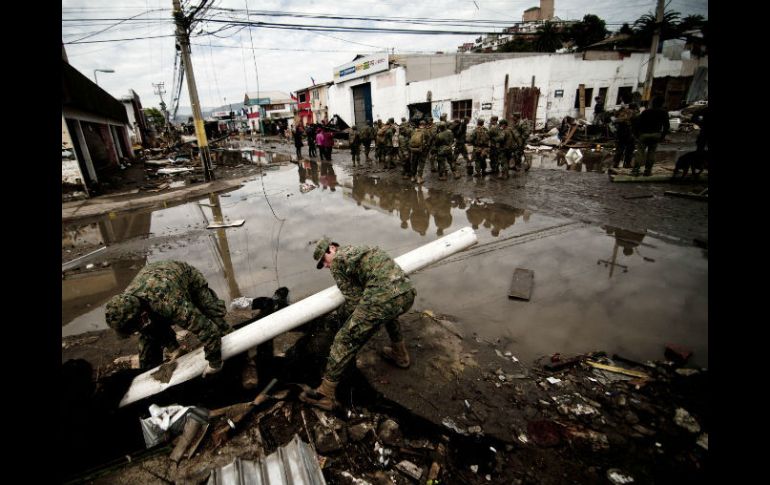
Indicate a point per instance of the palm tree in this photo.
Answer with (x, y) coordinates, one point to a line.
(549, 38)
(644, 27)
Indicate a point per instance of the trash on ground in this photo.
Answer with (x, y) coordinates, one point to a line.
(678, 354)
(166, 422)
(242, 303)
(521, 285)
(296, 461)
(683, 419)
(619, 370)
(174, 171)
(617, 477)
(236, 223)
(410, 469)
(307, 187)
(703, 441)
(553, 380)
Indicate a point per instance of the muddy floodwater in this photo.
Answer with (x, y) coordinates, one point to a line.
(596, 287)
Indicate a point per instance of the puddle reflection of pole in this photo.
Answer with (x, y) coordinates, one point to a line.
(612, 263)
(223, 247)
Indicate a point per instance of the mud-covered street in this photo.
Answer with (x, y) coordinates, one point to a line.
(619, 269)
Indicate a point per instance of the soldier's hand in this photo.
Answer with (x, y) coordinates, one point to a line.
(211, 370)
(172, 356)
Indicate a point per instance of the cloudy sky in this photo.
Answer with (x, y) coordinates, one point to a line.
(226, 66)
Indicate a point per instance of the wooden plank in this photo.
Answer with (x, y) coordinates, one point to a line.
(521, 286)
(237, 223)
(618, 370)
(686, 195)
(640, 178)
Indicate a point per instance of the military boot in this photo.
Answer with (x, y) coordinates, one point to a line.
(397, 354)
(323, 396)
(249, 376)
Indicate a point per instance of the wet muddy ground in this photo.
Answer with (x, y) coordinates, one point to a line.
(612, 273)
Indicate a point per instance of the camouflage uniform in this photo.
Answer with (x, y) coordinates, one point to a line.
(171, 292)
(404, 135)
(625, 137)
(355, 145)
(506, 147)
(495, 140)
(376, 292)
(418, 153)
(432, 131)
(367, 133)
(520, 132)
(444, 141)
(460, 130)
(480, 141)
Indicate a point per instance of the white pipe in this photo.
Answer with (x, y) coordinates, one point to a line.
(191, 365)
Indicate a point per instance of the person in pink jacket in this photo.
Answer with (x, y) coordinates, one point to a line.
(319, 141)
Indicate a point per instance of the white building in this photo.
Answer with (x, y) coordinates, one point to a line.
(272, 105)
(540, 86)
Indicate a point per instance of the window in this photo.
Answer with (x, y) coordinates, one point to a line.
(461, 109)
(303, 97)
(624, 94)
(315, 94)
(603, 95)
(588, 97)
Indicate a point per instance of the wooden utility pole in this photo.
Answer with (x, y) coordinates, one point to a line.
(183, 38)
(653, 52)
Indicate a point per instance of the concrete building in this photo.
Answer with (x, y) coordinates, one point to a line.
(540, 86)
(543, 12)
(138, 128)
(94, 132)
(270, 105)
(312, 103)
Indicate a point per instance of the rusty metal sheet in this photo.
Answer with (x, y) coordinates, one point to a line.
(521, 286)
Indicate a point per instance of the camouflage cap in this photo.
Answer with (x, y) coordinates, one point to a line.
(121, 313)
(480, 121)
(503, 122)
(320, 249)
(494, 118)
(391, 120)
(403, 119)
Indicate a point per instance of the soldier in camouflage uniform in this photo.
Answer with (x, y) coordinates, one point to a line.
(506, 148)
(418, 146)
(432, 131)
(459, 130)
(367, 133)
(520, 131)
(166, 293)
(404, 135)
(376, 292)
(444, 141)
(480, 141)
(495, 142)
(355, 145)
(626, 143)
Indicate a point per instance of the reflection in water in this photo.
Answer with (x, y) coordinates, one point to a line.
(328, 177)
(308, 167)
(624, 238)
(415, 206)
(591, 161)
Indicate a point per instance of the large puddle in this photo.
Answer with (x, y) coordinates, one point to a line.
(596, 288)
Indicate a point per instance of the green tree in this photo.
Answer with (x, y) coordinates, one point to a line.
(692, 22)
(517, 44)
(549, 38)
(644, 28)
(155, 117)
(589, 31)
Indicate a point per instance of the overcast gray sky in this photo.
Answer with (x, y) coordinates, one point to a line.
(285, 59)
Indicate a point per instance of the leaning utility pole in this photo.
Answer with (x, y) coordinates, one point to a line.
(183, 39)
(160, 91)
(653, 51)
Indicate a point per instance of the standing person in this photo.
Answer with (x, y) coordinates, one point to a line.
(367, 133)
(598, 110)
(444, 140)
(328, 143)
(310, 132)
(625, 137)
(650, 128)
(460, 130)
(390, 151)
(377, 292)
(298, 134)
(520, 131)
(495, 140)
(506, 148)
(418, 145)
(404, 134)
(380, 149)
(432, 131)
(354, 138)
(319, 140)
(163, 294)
(480, 141)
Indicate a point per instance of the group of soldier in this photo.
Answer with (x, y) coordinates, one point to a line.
(413, 144)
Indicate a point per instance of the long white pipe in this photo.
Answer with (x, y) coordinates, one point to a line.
(191, 365)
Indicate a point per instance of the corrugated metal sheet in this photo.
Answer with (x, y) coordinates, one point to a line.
(293, 464)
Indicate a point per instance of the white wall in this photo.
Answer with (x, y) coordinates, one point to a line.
(485, 83)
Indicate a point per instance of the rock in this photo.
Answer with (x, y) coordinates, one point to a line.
(360, 431)
(475, 430)
(687, 372)
(683, 419)
(389, 433)
(631, 417)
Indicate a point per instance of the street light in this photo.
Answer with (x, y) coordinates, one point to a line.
(100, 70)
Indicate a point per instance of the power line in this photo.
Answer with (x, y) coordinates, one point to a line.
(119, 40)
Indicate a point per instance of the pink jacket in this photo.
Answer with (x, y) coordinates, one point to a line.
(328, 139)
(319, 139)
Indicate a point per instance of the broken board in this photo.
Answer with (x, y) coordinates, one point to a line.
(521, 286)
(686, 195)
(641, 178)
(237, 223)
